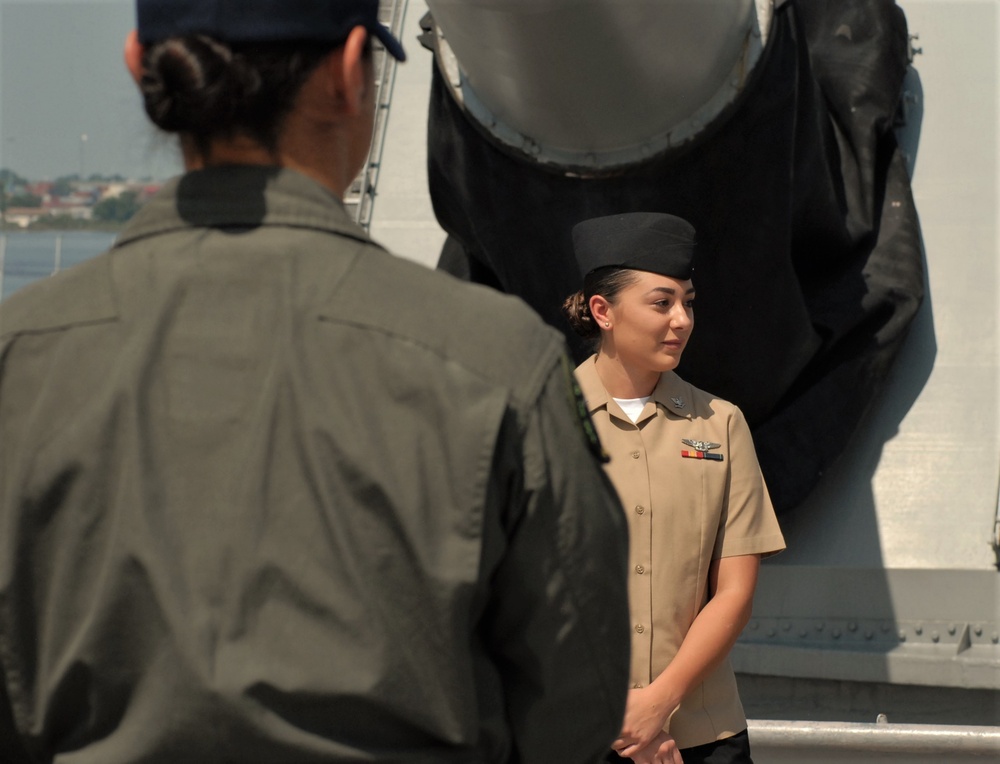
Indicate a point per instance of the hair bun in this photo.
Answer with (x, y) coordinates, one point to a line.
(207, 89)
(190, 84)
(577, 311)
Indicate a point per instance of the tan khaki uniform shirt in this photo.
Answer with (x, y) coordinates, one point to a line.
(269, 494)
(682, 513)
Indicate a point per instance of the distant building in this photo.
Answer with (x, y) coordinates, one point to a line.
(67, 206)
(112, 190)
(23, 216)
(147, 191)
(41, 188)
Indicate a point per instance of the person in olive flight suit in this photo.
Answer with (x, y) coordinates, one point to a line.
(684, 465)
(269, 494)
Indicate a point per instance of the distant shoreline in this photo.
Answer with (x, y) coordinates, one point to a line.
(75, 226)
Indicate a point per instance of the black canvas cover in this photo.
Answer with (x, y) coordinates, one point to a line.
(810, 262)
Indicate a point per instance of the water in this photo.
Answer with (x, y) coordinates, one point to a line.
(30, 255)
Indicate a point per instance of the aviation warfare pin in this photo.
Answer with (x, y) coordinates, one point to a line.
(701, 450)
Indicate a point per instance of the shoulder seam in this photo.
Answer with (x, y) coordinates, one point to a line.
(546, 358)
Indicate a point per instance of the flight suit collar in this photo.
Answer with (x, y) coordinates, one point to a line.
(242, 197)
(671, 392)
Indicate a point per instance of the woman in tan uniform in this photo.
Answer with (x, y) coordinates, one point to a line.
(684, 465)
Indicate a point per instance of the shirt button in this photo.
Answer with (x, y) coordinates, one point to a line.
(639, 509)
(639, 569)
(639, 628)
(635, 454)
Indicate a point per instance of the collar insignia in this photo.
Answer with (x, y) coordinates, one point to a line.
(678, 403)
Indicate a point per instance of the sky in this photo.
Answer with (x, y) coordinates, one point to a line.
(67, 104)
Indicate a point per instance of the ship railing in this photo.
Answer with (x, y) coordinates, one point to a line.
(785, 742)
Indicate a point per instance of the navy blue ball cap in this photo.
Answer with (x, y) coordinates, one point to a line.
(644, 241)
(262, 20)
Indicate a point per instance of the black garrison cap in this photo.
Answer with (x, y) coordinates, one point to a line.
(263, 20)
(645, 241)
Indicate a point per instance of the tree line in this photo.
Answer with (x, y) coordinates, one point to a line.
(107, 213)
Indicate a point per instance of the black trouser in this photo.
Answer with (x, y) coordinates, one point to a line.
(730, 750)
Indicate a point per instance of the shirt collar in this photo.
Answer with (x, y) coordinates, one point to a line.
(671, 392)
(591, 386)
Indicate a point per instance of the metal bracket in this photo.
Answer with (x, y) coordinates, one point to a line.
(995, 541)
(996, 534)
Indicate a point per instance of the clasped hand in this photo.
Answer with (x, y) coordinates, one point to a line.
(663, 750)
(644, 721)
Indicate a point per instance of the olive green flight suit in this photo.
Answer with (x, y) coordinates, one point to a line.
(269, 494)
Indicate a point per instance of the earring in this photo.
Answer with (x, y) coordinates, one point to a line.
(607, 323)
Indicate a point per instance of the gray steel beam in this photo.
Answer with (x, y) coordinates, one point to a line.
(920, 627)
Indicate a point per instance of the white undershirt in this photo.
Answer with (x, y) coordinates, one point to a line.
(632, 406)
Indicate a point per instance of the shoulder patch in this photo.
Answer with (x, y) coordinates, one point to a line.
(579, 406)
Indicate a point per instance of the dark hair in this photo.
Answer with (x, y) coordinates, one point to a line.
(208, 89)
(607, 282)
